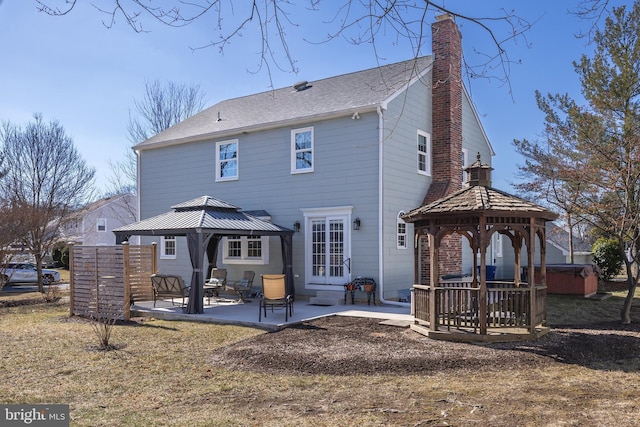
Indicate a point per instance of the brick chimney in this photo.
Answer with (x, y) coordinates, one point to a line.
(446, 132)
(446, 136)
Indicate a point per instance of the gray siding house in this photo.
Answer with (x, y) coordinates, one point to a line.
(338, 160)
(93, 224)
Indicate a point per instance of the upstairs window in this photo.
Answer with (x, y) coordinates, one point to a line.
(227, 160)
(424, 153)
(302, 150)
(101, 224)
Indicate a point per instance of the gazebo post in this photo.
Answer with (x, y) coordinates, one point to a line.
(531, 250)
(543, 262)
(433, 249)
(517, 250)
(482, 294)
(416, 257)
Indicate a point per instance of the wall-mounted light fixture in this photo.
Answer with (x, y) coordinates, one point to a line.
(296, 226)
(356, 224)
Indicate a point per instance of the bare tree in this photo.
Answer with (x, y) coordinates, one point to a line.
(360, 22)
(45, 178)
(12, 230)
(162, 106)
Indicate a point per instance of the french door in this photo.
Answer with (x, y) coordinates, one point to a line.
(328, 250)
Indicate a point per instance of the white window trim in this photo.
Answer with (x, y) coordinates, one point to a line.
(428, 154)
(218, 161)
(244, 247)
(104, 221)
(400, 221)
(163, 254)
(294, 169)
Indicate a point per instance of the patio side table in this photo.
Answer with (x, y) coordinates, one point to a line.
(212, 290)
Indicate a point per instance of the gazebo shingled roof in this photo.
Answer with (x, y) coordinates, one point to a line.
(479, 198)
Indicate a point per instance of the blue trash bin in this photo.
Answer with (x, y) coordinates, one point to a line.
(490, 271)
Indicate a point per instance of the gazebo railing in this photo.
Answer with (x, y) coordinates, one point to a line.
(458, 305)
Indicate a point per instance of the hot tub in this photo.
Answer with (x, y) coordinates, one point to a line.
(570, 279)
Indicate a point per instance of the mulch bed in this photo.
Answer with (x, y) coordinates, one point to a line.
(352, 346)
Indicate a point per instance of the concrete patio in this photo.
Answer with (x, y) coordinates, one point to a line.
(229, 311)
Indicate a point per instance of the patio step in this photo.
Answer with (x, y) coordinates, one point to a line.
(327, 298)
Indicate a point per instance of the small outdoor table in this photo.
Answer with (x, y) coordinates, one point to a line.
(212, 289)
(365, 284)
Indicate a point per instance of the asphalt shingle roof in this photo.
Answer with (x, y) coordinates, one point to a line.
(362, 90)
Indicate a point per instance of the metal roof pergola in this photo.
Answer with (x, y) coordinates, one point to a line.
(205, 221)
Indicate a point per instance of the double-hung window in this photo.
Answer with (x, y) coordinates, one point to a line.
(246, 250)
(424, 153)
(302, 150)
(227, 160)
(168, 247)
(101, 224)
(401, 230)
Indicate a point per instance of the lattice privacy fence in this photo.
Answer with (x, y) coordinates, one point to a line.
(105, 279)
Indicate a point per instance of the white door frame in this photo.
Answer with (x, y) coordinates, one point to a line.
(344, 214)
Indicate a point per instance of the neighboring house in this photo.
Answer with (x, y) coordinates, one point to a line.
(92, 224)
(558, 248)
(339, 159)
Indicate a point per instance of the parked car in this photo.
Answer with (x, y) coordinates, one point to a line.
(27, 273)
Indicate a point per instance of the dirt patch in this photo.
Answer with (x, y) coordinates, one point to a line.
(346, 346)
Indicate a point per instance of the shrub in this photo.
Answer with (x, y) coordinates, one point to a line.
(60, 254)
(608, 257)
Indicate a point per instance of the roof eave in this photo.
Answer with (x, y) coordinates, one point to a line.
(547, 215)
(256, 128)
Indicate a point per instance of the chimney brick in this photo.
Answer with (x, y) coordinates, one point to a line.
(446, 135)
(446, 132)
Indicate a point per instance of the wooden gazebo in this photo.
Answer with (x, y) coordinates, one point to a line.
(474, 308)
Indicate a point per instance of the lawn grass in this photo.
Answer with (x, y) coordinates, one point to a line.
(162, 374)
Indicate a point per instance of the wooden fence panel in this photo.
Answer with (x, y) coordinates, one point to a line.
(104, 279)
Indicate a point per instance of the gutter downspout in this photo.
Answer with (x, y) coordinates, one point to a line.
(380, 212)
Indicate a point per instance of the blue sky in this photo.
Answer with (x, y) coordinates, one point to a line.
(86, 76)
